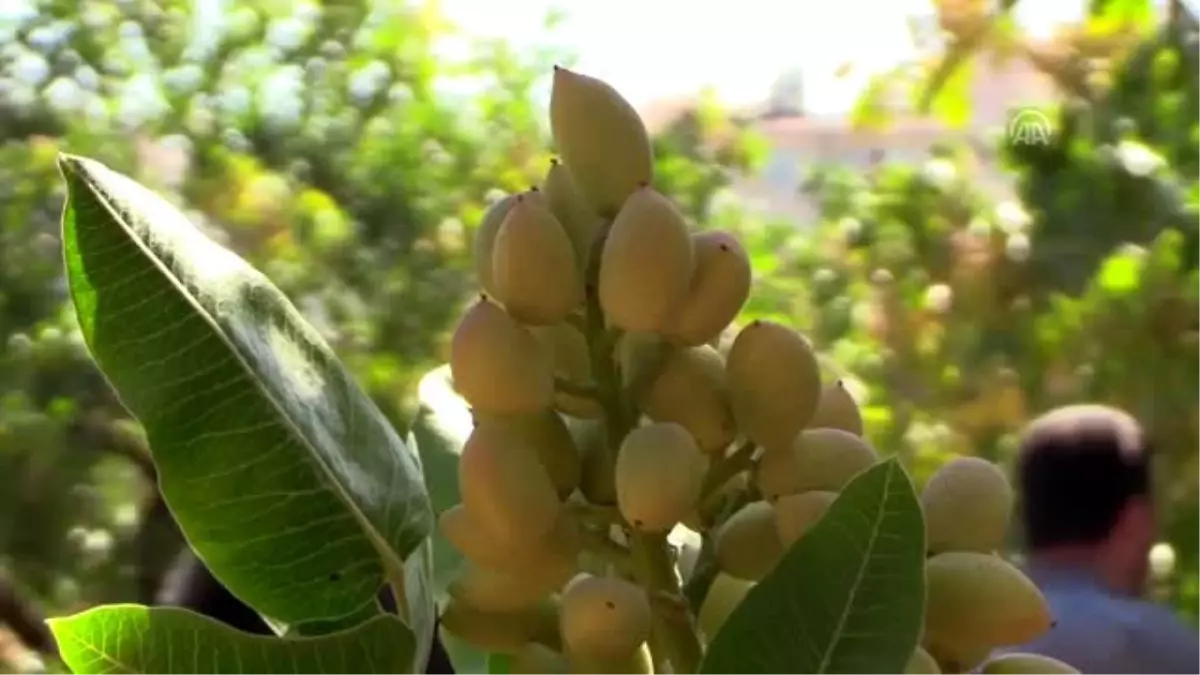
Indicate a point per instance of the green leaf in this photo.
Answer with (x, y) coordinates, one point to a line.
(499, 664)
(1137, 12)
(438, 432)
(870, 111)
(319, 627)
(848, 596)
(946, 93)
(440, 429)
(283, 475)
(136, 639)
(1120, 274)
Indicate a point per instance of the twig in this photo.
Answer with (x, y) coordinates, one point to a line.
(578, 321)
(728, 467)
(676, 635)
(706, 569)
(648, 375)
(97, 430)
(601, 544)
(566, 386)
(26, 620)
(594, 514)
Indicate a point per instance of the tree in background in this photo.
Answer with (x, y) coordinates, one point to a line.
(958, 318)
(325, 143)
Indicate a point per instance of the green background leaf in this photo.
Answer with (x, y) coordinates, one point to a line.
(848, 596)
(499, 664)
(136, 639)
(439, 430)
(284, 477)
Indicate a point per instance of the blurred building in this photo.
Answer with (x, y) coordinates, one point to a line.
(799, 142)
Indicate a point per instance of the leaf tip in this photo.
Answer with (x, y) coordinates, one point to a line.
(58, 626)
(70, 164)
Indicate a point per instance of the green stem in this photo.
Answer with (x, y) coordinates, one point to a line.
(672, 619)
(707, 568)
(674, 629)
(727, 467)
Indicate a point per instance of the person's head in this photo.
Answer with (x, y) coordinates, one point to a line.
(1084, 480)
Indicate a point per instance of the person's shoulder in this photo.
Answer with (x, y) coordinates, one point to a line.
(1155, 629)
(1152, 616)
(1088, 632)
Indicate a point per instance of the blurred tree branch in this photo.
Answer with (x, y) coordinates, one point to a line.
(99, 429)
(24, 618)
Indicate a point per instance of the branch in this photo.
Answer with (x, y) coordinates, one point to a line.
(97, 430)
(578, 321)
(25, 619)
(728, 467)
(565, 386)
(707, 568)
(599, 543)
(594, 515)
(677, 634)
(653, 368)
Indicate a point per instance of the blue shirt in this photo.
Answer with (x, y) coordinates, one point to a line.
(1098, 631)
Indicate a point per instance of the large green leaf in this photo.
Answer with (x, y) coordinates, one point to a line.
(136, 639)
(284, 476)
(848, 597)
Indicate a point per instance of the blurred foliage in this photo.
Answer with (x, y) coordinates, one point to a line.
(332, 144)
(956, 317)
(340, 147)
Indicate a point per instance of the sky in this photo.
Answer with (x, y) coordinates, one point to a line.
(651, 49)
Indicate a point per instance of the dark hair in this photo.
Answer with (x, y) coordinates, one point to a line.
(1078, 468)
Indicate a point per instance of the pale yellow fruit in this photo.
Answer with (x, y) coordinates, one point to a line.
(981, 599)
(748, 545)
(497, 365)
(967, 504)
(719, 288)
(690, 390)
(535, 659)
(571, 209)
(601, 138)
(646, 263)
(501, 632)
(1019, 663)
(956, 657)
(725, 593)
(492, 590)
(795, 514)
(819, 459)
(921, 663)
(774, 383)
(640, 662)
(504, 487)
(534, 269)
(485, 239)
(658, 477)
(568, 349)
(724, 342)
(603, 617)
(546, 556)
(547, 435)
(837, 409)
